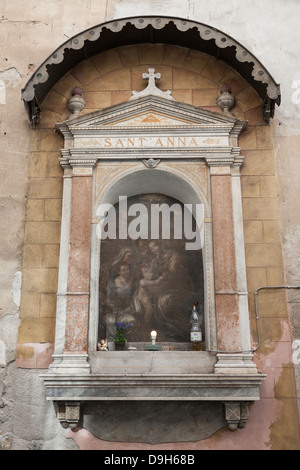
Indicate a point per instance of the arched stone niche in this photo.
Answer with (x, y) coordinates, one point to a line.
(187, 153)
(169, 181)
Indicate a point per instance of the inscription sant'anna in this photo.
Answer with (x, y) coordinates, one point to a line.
(155, 141)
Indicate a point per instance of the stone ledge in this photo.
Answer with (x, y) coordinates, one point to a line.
(230, 387)
(151, 362)
(234, 391)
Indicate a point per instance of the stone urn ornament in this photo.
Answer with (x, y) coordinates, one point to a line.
(226, 101)
(76, 103)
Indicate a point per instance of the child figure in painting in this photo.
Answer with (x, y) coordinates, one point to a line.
(146, 291)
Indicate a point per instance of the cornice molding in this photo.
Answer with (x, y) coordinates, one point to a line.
(113, 133)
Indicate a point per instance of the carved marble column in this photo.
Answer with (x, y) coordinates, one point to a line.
(77, 274)
(233, 335)
(227, 311)
(62, 289)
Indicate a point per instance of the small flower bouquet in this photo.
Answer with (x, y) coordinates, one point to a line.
(120, 336)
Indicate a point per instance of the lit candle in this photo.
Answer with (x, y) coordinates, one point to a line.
(153, 336)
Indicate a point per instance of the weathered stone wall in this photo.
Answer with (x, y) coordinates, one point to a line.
(108, 79)
(31, 185)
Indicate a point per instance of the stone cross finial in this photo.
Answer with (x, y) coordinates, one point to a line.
(151, 88)
(151, 76)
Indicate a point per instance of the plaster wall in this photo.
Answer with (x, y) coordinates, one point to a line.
(31, 190)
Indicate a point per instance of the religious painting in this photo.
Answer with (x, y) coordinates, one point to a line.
(150, 283)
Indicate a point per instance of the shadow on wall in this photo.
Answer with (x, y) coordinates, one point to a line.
(153, 423)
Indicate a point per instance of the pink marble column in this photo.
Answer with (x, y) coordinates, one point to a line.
(76, 331)
(226, 296)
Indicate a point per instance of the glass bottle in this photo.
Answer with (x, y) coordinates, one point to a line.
(196, 333)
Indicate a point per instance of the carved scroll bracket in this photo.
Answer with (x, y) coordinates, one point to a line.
(236, 414)
(68, 414)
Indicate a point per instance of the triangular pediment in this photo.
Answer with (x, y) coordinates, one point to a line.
(148, 113)
(150, 119)
(152, 128)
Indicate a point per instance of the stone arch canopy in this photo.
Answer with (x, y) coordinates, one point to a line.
(161, 181)
(149, 29)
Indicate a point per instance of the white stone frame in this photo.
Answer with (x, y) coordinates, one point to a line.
(227, 376)
(86, 144)
(140, 176)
